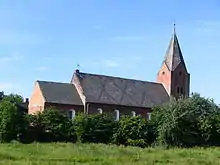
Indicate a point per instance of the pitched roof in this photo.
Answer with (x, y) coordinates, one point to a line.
(61, 93)
(174, 55)
(121, 91)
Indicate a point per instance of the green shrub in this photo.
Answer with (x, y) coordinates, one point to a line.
(50, 126)
(134, 131)
(11, 121)
(96, 128)
(185, 122)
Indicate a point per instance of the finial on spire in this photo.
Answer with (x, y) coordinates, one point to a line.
(174, 27)
(78, 66)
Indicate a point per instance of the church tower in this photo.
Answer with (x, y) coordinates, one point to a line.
(173, 72)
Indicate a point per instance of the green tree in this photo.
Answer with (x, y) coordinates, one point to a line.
(185, 122)
(58, 125)
(14, 98)
(135, 131)
(11, 122)
(96, 128)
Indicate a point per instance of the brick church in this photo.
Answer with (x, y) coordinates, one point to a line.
(93, 93)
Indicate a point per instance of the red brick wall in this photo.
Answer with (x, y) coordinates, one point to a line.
(75, 80)
(36, 102)
(124, 110)
(164, 77)
(172, 80)
(180, 80)
(64, 107)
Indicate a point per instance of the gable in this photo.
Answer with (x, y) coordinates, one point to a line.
(37, 101)
(119, 91)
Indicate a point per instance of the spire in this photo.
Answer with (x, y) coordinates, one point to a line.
(174, 55)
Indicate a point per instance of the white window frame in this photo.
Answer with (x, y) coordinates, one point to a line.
(117, 115)
(73, 113)
(133, 113)
(100, 110)
(148, 116)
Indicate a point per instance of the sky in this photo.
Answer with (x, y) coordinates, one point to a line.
(46, 39)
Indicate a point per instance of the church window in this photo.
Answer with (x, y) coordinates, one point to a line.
(180, 73)
(163, 72)
(181, 90)
(72, 114)
(148, 116)
(117, 115)
(133, 113)
(100, 110)
(178, 90)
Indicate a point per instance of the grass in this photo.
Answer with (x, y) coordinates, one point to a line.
(97, 154)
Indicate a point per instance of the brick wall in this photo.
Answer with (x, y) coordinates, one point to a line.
(36, 102)
(164, 77)
(124, 110)
(64, 107)
(75, 80)
(172, 80)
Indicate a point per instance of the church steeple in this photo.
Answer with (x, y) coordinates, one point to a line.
(173, 73)
(174, 55)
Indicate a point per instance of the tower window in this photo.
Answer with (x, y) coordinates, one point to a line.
(181, 90)
(163, 72)
(180, 73)
(178, 90)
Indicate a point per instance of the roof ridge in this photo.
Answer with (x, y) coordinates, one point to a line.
(53, 82)
(130, 79)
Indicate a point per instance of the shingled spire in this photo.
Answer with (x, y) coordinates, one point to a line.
(173, 73)
(174, 55)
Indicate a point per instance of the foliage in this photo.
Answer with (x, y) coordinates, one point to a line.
(11, 121)
(97, 128)
(14, 98)
(186, 122)
(51, 125)
(134, 131)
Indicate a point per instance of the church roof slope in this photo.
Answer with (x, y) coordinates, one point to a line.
(174, 55)
(60, 93)
(120, 91)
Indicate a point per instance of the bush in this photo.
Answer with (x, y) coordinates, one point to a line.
(50, 126)
(11, 121)
(185, 122)
(135, 131)
(97, 128)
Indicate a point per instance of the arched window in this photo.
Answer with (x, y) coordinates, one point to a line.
(133, 113)
(100, 110)
(148, 116)
(181, 90)
(178, 90)
(117, 115)
(72, 114)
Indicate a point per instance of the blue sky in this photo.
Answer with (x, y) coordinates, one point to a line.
(45, 39)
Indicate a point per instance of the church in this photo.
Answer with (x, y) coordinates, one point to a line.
(93, 93)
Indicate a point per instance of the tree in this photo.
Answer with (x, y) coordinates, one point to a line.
(50, 125)
(134, 131)
(96, 128)
(14, 98)
(57, 124)
(10, 121)
(185, 122)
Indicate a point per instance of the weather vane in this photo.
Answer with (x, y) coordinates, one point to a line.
(174, 27)
(78, 66)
